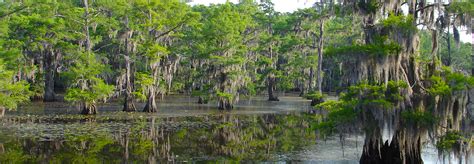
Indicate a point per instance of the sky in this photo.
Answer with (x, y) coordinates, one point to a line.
(292, 5)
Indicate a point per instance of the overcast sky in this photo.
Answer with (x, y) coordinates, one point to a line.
(292, 5)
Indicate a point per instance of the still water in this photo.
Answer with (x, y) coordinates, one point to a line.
(182, 131)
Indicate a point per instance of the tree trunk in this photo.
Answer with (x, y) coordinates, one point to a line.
(89, 108)
(271, 77)
(150, 106)
(311, 79)
(432, 67)
(2, 111)
(302, 86)
(400, 150)
(472, 61)
(448, 40)
(50, 69)
(86, 26)
(271, 87)
(128, 105)
(472, 41)
(320, 56)
(225, 104)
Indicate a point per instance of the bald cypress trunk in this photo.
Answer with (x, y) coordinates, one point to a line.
(86, 26)
(448, 41)
(472, 61)
(405, 146)
(320, 56)
(271, 80)
(88, 108)
(50, 68)
(399, 66)
(150, 106)
(2, 111)
(225, 104)
(128, 105)
(271, 88)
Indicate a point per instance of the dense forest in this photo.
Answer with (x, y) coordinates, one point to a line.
(388, 60)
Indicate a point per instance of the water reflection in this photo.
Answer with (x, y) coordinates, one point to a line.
(227, 137)
(181, 131)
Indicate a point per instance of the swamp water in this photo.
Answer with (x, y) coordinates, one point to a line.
(182, 131)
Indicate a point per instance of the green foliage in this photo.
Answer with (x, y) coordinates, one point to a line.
(370, 6)
(314, 96)
(423, 119)
(85, 85)
(448, 82)
(457, 55)
(458, 81)
(343, 112)
(203, 92)
(402, 23)
(12, 92)
(218, 43)
(461, 7)
(143, 81)
(438, 87)
(375, 96)
(393, 90)
(378, 49)
(330, 105)
(451, 140)
(225, 95)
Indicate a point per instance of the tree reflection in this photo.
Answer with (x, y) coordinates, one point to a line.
(158, 140)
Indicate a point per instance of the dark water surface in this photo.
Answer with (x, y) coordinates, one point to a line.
(182, 131)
